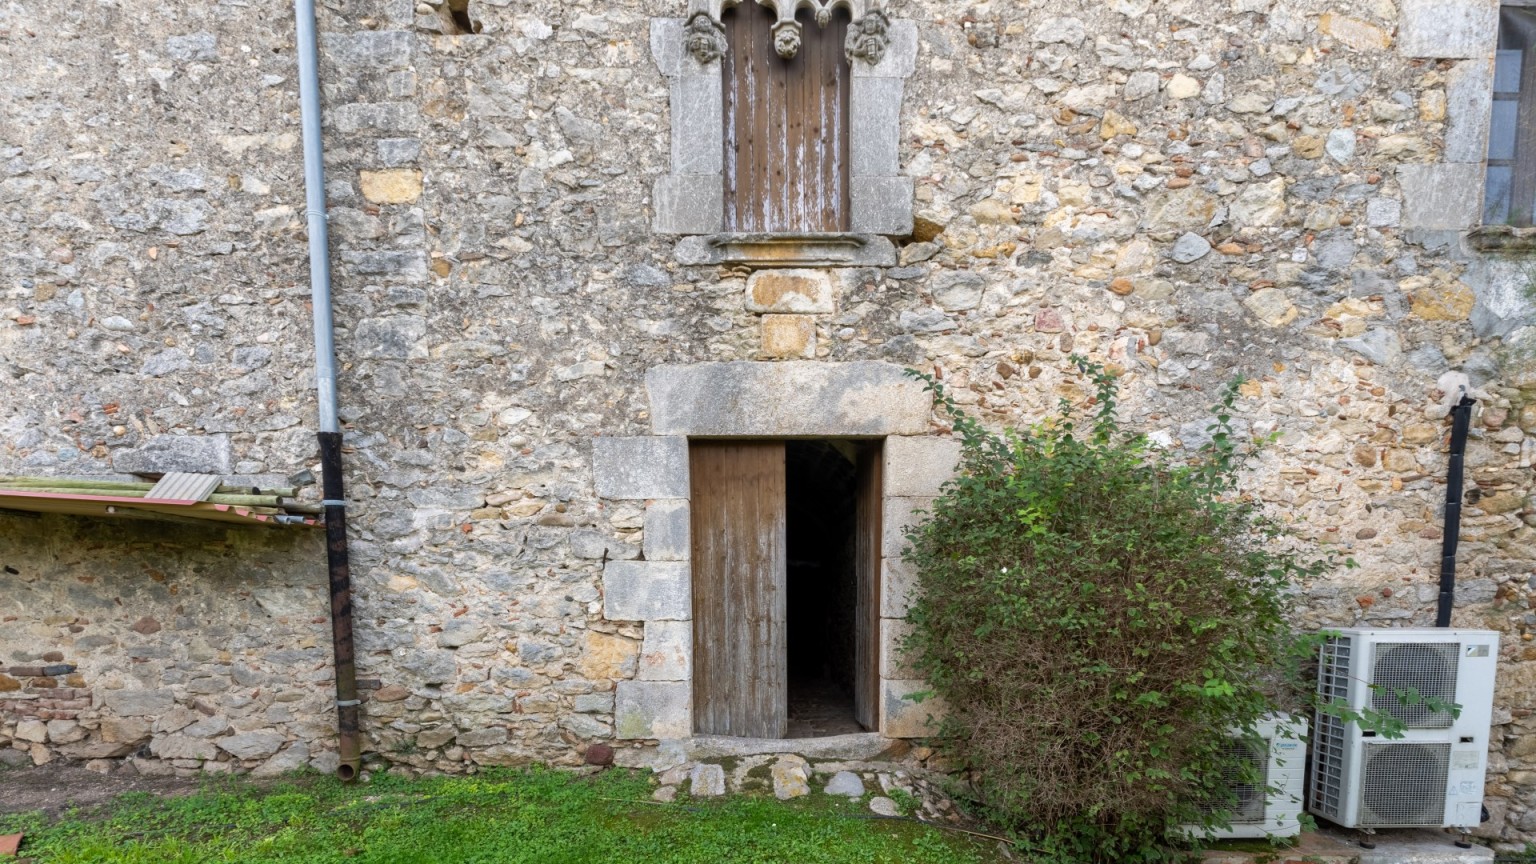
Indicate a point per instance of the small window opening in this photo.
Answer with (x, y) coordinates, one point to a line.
(1510, 194)
(821, 587)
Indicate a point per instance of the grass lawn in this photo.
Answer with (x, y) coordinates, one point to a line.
(496, 817)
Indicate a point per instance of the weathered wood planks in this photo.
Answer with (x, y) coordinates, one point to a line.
(786, 126)
(740, 679)
(870, 488)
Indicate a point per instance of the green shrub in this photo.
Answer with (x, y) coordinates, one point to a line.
(1097, 616)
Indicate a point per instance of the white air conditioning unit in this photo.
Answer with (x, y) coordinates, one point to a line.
(1269, 795)
(1432, 777)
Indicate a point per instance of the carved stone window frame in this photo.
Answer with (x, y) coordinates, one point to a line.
(690, 200)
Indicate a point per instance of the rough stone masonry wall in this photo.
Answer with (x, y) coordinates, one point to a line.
(1184, 189)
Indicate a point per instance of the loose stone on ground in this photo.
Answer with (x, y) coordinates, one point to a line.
(845, 783)
(791, 776)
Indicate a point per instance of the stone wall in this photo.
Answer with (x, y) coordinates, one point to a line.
(1183, 189)
(177, 648)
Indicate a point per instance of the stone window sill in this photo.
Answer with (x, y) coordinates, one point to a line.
(787, 250)
(1502, 238)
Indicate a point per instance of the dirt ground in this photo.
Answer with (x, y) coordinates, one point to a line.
(59, 787)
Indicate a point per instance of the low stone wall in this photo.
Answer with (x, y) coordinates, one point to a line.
(181, 649)
(43, 705)
(49, 713)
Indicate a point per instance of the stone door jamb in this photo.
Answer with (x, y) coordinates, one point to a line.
(757, 400)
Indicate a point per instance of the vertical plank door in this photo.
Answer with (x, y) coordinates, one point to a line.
(870, 489)
(786, 125)
(740, 674)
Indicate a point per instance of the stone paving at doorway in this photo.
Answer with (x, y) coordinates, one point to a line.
(888, 789)
(820, 708)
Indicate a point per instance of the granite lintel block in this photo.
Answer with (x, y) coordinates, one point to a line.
(788, 399)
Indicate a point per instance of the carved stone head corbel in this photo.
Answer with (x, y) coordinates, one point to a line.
(868, 36)
(786, 38)
(704, 38)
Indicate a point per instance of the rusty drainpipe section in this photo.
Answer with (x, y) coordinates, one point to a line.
(349, 744)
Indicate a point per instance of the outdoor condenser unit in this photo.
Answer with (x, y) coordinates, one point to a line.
(1268, 799)
(1432, 777)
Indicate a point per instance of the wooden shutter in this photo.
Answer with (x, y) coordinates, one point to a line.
(866, 649)
(740, 676)
(786, 125)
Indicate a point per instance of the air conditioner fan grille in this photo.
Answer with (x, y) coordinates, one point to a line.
(1428, 667)
(1247, 775)
(1403, 785)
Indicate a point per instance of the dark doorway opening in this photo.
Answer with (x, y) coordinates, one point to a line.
(821, 586)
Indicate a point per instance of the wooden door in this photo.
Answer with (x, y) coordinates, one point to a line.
(786, 125)
(740, 675)
(870, 489)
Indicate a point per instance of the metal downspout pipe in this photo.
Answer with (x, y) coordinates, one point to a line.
(1461, 419)
(348, 739)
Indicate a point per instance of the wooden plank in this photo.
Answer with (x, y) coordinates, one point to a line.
(730, 70)
(740, 676)
(777, 190)
(833, 85)
(786, 137)
(798, 85)
(826, 83)
(760, 86)
(183, 486)
(870, 491)
(841, 130)
(734, 68)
